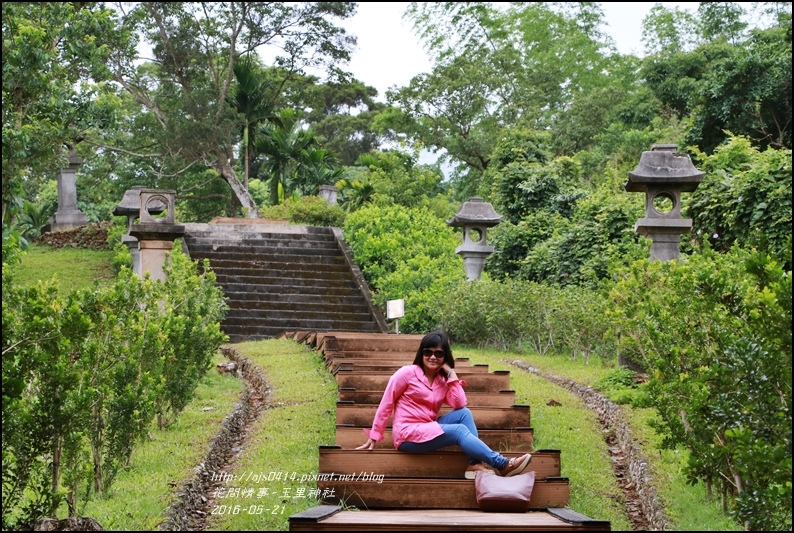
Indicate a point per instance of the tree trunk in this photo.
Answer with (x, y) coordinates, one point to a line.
(56, 468)
(246, 201)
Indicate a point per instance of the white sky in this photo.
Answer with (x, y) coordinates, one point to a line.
(389, 54)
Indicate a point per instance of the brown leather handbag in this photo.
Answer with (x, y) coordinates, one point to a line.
(499, 494)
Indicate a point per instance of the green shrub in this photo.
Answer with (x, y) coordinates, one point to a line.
(523, 314)
(406, 253)
(307, 210)
(84, 375)
(714, 332)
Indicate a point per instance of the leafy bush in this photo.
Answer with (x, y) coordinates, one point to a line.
(406, 254)
(714, 331)
(619, 385)
(745, 198)
(307, 210)
(518, 314)
(84, 375)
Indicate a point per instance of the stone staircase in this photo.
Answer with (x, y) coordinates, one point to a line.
(384, 489)
(278, 277)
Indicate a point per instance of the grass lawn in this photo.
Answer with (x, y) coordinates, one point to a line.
(74, 268)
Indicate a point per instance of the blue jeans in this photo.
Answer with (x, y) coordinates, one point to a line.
(459, 428)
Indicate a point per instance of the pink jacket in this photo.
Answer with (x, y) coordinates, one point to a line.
(416, 404)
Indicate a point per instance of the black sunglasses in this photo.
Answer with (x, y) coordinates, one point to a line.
(427, 352)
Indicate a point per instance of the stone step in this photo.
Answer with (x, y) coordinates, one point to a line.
(275, 261)
(513, 439)
(285, 272)
(301, 303)
(235, 283)
(484, 417)
(492, 381)
(267, 300)
(327, 263)
(502, 398)
(428, 493)
(269, 239)
(440, 464)
(240, 251)
(242, 291)
(254, 317)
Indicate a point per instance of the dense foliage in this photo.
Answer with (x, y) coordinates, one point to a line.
(714, 331)
(406, 254)
(85, 374)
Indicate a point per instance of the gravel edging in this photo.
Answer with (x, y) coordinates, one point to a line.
(637, 467)
(188, 512)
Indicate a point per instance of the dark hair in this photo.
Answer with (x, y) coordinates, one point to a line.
(431, 340)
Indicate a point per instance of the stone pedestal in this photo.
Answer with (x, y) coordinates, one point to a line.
(68, 216)
(132, 245)
(154, 234)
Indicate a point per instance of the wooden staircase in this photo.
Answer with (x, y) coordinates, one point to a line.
(395, 491)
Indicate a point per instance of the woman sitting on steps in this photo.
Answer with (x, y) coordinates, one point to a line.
(415, 394)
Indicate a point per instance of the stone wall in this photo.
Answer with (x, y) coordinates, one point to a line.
(611, 418)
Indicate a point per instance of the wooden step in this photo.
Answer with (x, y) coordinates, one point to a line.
(515, 439)
(392, 367)
(441, 464)
(484, 417)
(385, 342)
(502, 398)
(384, 493)
(407, 355)
(384, 360)
(336, 518)
(477, 382)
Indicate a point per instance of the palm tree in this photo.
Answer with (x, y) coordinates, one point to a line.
(253, 98)
(294, 158)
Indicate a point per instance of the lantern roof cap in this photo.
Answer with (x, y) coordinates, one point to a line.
(663, 165)
(131, 203)
(475, 211)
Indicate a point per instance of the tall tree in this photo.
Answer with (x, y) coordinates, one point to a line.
(196, 46)
(495, 68)
(54, 63)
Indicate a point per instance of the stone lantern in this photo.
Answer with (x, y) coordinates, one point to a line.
(329, 192)
(130, 207)
(475, 217)
(156, 230)
(663, 174)
(68, 216)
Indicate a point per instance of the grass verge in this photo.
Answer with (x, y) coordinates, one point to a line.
(273, 475)
(84, 267)
(138, 498)
(571, 428)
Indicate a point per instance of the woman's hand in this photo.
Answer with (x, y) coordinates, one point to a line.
(448, 369)
(368, 445)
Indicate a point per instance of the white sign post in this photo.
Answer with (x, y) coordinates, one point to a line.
(395, 309)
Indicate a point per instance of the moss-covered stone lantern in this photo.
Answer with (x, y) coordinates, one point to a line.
(475, 217)
(663, 174)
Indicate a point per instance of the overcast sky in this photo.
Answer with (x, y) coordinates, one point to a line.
(389, 54)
